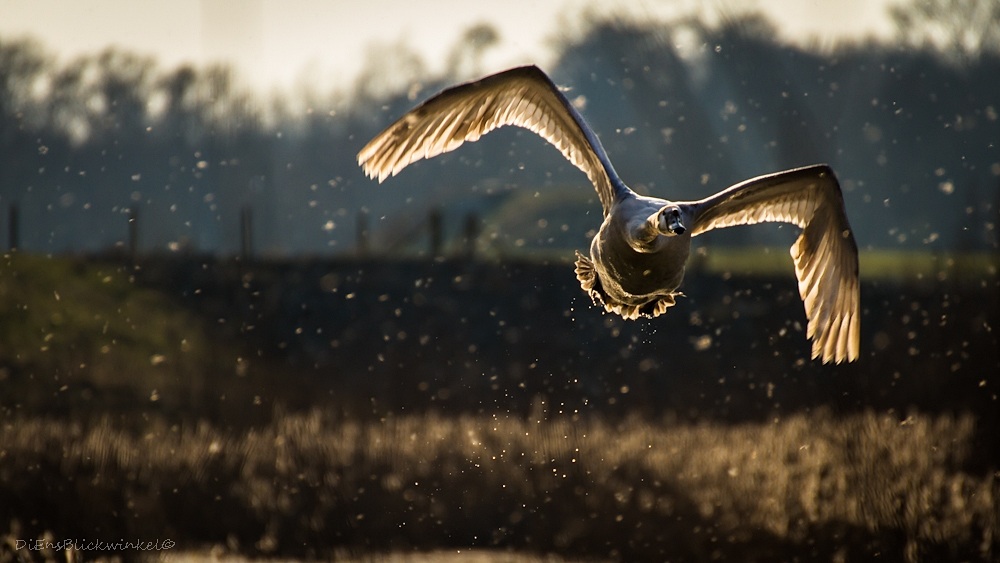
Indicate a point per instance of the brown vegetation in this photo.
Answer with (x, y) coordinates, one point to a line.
(310, 485)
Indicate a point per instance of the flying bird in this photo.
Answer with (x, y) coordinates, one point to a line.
(637, 258)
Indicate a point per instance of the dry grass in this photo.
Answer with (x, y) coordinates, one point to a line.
(309, 485)
(438, 556)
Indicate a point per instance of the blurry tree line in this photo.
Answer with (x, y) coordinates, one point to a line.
(684, 109)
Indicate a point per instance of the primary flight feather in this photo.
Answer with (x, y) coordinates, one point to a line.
(638, 256)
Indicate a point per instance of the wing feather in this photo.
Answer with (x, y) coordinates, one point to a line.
(825, 253)
(523, 97)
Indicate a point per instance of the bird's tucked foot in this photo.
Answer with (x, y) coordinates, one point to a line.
(586, 273)
(653, 307)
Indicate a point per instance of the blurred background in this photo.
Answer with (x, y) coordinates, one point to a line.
(192, 255)
(189, 114)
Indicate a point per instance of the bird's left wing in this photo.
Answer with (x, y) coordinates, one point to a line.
(523, 96)
(825, 254)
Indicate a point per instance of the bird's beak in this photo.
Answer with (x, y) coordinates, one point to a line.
(670, 221)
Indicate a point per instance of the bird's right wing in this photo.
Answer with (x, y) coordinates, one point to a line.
(825, 254)
(523, 96)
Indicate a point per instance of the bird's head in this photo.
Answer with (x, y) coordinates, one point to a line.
(670, 221)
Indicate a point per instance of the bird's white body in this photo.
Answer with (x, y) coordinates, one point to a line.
(637, 258)
(637, 268)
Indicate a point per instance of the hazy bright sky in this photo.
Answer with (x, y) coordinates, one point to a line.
(278, 42)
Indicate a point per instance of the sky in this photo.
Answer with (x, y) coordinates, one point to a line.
(277, 44)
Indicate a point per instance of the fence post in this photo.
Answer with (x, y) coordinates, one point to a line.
(133, 234)
(13, 227)
(361, 232)
(436, 221)
(246, 233)
(470, 233)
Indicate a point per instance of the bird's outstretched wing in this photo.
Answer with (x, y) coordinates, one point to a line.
(825, 254)
(523, 96)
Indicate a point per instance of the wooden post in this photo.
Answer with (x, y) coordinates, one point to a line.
(470, 233)
(13, 227)
(361, 232)
(133, 234)
(246, 233)
(436, 222)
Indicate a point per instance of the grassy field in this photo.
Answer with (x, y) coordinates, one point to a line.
(80, 336)
(811, 486)
(68, 327)
(881, 264)
(126, 414)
